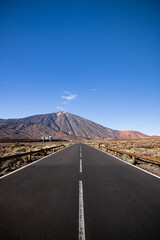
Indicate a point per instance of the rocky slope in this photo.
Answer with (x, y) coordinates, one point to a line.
(61, 125)
(131, 134)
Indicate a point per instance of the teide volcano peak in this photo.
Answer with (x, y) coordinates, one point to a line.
(60, 125)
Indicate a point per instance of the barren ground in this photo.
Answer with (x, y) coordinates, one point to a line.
(149, 147)
(7, 149)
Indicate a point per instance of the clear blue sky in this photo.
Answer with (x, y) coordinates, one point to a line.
(96, 59)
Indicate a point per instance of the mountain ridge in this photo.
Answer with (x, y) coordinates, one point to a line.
(60, 125)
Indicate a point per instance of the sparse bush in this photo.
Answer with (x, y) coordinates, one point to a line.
(17, 144)
(18, 163)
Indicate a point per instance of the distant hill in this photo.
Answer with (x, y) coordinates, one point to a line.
(131, 134)
(60, 125)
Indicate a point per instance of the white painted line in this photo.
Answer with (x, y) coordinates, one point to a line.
(32, 163)
(80, 154)
(80, 166)
(81, 213)
(127, 163)
(134, 166)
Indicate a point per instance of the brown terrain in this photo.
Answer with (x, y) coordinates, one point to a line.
(148, 147)
(61, 125)
(9, 149)
(131, 134)
(66, 126)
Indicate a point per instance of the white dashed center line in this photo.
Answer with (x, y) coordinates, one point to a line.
(81, 213)
(81, 205)
(80, 166)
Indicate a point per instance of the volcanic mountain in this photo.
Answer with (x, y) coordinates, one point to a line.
(60, 125)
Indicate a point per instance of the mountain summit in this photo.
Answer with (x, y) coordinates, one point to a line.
(61, 125)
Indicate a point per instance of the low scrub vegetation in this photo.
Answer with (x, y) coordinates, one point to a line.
(148, 147)
(7, 149)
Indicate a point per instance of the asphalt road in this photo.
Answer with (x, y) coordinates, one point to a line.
(75, 194)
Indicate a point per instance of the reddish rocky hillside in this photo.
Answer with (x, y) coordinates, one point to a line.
(131, 134)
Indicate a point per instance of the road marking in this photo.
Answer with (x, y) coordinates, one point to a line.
(127, 163)
(134, 166)
(80, 154)
(80, 166)
(81, 213)
(33, 162)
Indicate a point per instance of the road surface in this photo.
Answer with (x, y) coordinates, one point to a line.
(79, 193)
